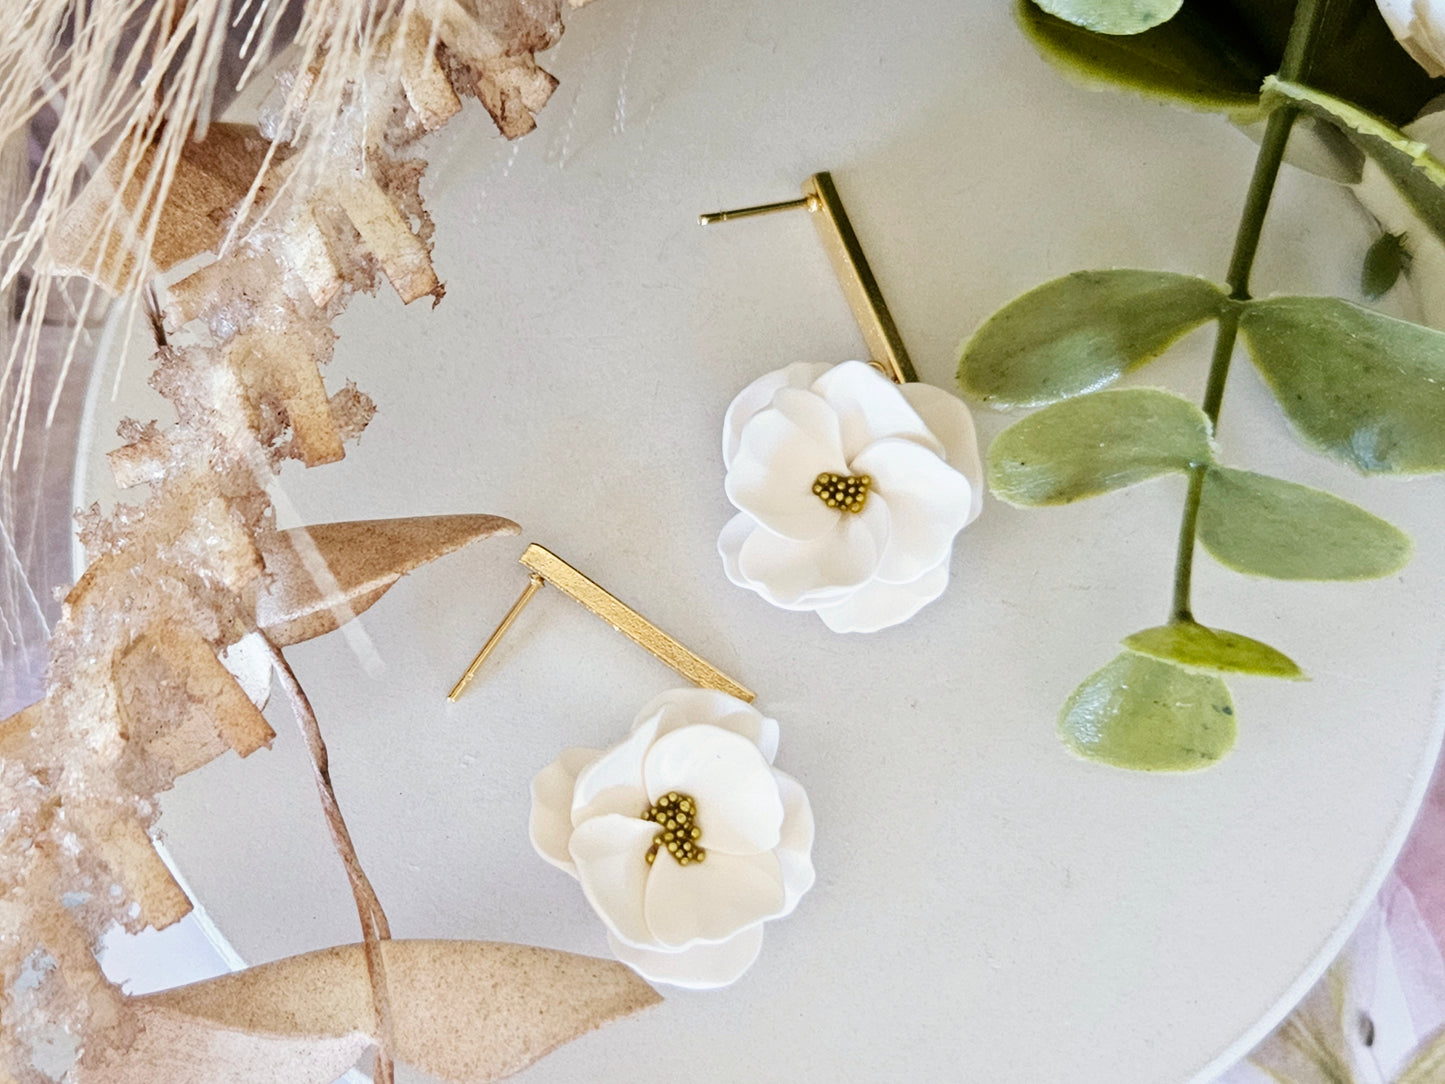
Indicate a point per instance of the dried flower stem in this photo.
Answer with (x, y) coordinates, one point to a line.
(374, 925)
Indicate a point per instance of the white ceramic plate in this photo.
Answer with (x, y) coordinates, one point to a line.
(987, 908)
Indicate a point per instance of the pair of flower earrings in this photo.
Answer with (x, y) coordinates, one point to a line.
(851, 482)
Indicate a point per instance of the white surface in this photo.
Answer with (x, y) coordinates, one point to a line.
(987, 907)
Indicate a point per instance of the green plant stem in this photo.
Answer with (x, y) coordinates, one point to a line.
(1308, 16)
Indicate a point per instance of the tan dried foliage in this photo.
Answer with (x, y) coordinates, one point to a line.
(307, 1018)
(317, 204)
(328, 573)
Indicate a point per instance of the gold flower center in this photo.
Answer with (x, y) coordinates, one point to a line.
(845, 492)
(676, 814)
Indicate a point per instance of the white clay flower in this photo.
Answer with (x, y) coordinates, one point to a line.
(850, 490)
(683, 904)
(1419, 26)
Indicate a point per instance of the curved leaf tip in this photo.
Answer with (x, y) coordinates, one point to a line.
(1198, 647)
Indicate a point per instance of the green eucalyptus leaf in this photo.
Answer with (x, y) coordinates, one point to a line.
(1149, 715)
(1191, 58)
(1090, 445)
(1360, 386)
(1385, 260)
(1194, 645)
(1113, 16)
(1266, 526)
(1214, 54)
(1080, 332)
(1415, 172)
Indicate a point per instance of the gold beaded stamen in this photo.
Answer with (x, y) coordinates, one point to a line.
(677, 814)
(845, 492)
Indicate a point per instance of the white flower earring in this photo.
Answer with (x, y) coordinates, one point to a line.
(851, 481)
(684, 837)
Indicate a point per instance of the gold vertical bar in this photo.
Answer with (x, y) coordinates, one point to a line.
(534, 584)
(864, 295)
(629, 622)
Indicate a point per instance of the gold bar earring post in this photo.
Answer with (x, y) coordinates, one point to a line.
(534, 584)
(547, 567)
(845, 252)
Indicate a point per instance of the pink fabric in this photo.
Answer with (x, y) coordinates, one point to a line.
(1390, 977)
(1420, 869)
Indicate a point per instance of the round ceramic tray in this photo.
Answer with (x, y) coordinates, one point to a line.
(987, 906)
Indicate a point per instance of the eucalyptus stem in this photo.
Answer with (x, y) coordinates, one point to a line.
(1308, 16)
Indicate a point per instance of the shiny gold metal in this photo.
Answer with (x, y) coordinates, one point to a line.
(865, 297)
(534, 584)
(761, 209)
(547, 567)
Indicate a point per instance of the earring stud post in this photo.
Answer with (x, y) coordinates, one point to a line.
(850, 265)
(760, 209)
(547, 567)
(534, 584)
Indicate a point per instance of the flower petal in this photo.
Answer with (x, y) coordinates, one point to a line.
(613, 782)
(702, 967)
(782, 452)
(928, 503)
(759, 395)
(878, 605)
(713, 899)
(738, 807)
(805, 575)
(550, 824)
(730, 544)
(795, 847)
(948, 418)
(870, 407)
(610, 853)
(678, 708)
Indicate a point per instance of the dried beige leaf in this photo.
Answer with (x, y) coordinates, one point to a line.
(177, 697)
(471, 1012)
(388, 236)
(122, 843)
(16, 732)
(283, 366)
(173, 1048)
(211, 179)
(494, 48)
(427, 88)
(465, 1011)
(325, 574)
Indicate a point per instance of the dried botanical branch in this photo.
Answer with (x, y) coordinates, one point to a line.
(467, 1012)
(374, 925)
(319, 203)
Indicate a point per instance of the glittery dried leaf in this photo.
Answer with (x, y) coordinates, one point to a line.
(177, 698)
